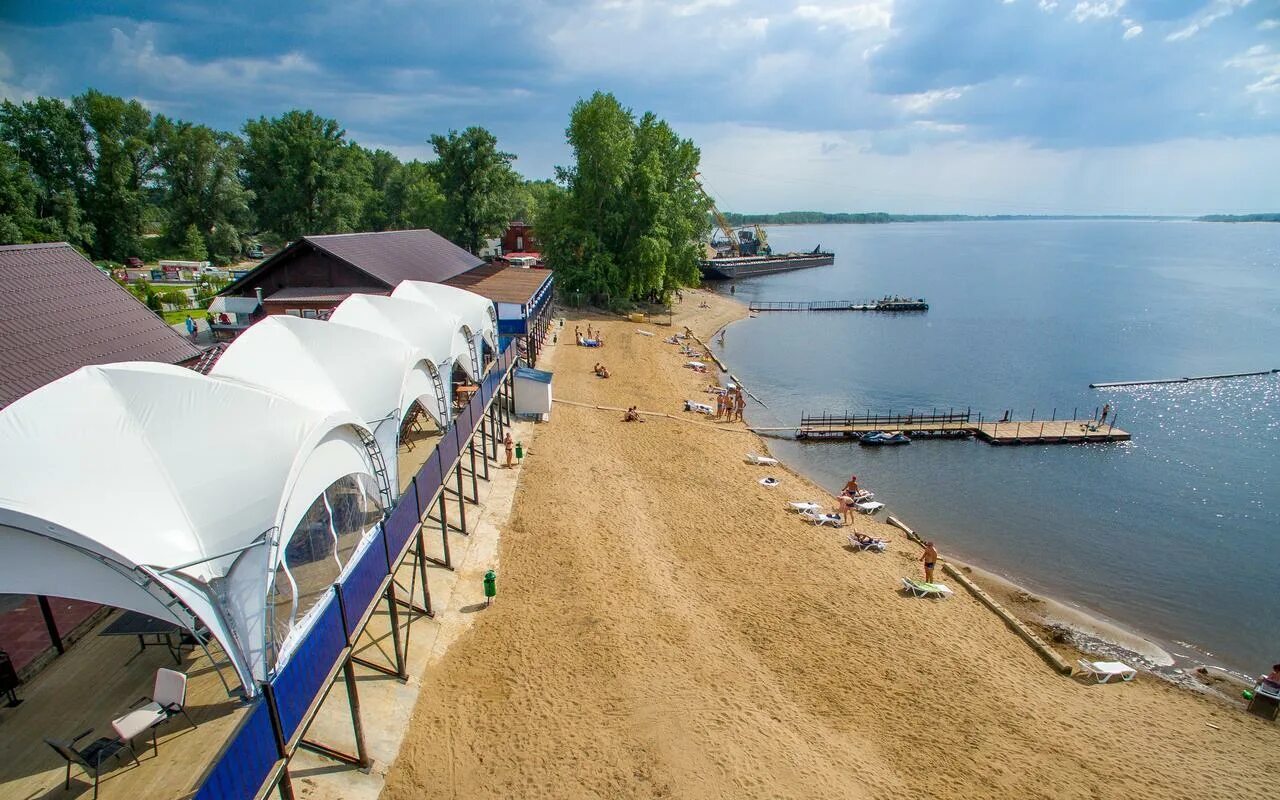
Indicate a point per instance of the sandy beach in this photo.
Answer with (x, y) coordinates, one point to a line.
(665, 628)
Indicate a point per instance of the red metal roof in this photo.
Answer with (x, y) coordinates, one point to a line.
(58, 312)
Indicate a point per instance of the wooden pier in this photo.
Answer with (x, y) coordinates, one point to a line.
(953, 424)
(896, 305)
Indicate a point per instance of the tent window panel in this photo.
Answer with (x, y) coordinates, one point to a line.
(354, 511)
(310, 556)
(280, 603)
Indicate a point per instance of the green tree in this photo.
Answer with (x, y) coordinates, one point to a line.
(198, 175)
(17, 199)
(477, 181)
(530, 198)
(304, 175)
(120, 165)
(384, 169)
(49, 137)
(192, 248)
(413, 198)
(630, 223)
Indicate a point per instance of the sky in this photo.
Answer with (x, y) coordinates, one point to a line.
(928, 106)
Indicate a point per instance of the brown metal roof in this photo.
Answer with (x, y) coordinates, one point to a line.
(58, 313)
(318, 294)
(502, 284)
(387, 256)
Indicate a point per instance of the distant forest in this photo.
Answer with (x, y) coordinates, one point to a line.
(880, 217)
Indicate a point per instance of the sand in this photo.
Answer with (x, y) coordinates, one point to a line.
(667, 629)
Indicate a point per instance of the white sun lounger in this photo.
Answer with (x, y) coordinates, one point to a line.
(1103, 671)
(869, 543)
(701, 408)
(922, 589)
(819, 518)
(761, 461)
(869, 507)
(800, 505)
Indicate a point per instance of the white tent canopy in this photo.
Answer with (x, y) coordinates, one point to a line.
(476, 313)
(232, 501)
(126, 471)
(336, 369)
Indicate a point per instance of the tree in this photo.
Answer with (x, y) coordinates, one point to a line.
(477, 181)
(120, 165)
(531, 198)
(199, 181)
(17, 199)
(50, 139)
(384, 169)
(192, 248)
(631, 220)
(304, 175)
(413, 198)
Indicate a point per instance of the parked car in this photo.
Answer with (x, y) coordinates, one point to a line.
(255, 252)
(133, 262)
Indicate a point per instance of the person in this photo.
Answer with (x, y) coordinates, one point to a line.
(191, 327)
(590, 334)
(633, 415)
(719, 406)
(930, 558)
(1274, 677)
(603, 371)
(510, 444)
(851, 488)
(1106, 409)
(739, 404)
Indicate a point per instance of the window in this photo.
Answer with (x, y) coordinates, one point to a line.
(309, 313)
(293, 312)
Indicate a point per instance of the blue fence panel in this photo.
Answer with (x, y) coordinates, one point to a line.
(401, 525)
(360, 586)
(447, 449)
(247, 760)
(464, 422)
(304, 677)
(429, 479)
(486, 387)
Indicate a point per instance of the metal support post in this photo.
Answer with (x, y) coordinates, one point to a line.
(353, 699)
(475, 487)
(283, 784)
(422, 573)
(462, 501)
(393, 608)
(51, 624)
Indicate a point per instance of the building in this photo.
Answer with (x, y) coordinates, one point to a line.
(519, 238)
(58, 312)
(314, 274)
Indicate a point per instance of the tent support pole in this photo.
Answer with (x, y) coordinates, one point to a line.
(422, 571)
(484, 444)
(394, 610)
(51, 624)
(462, 501)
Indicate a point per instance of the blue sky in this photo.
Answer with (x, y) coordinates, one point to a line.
(983, 106)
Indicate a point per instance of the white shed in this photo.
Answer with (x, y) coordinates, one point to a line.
(533, 392)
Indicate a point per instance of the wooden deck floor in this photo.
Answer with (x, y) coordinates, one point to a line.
(1014, 432)
(94, 682)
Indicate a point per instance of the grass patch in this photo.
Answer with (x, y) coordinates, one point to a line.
(180, 316)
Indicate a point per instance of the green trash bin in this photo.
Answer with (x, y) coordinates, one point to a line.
(490, 587)
(519, 452)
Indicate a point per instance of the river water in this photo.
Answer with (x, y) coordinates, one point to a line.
(1175, 534)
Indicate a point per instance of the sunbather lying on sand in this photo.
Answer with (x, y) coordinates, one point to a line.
(601, 371)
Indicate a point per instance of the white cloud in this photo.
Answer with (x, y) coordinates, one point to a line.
(1265, 66)
(854, 16)
(695, 7)
(1211, 14)
(1132, 31)
(138, 54)
(924, 102)
(1103, 9)
(1269, 24)
(1048, 5)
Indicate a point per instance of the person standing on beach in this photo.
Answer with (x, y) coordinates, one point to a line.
(510, 445)
(930, 558)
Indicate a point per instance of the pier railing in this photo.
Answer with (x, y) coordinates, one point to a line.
(838, 422)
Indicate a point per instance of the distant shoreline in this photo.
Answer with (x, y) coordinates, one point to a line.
(882, 218)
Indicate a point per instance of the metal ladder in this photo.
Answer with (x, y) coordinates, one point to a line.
(442, 399)
(379, 466)
(475, 358)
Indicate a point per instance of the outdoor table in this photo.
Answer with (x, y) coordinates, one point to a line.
(149, 630)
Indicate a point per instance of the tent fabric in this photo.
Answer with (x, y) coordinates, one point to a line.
(475, 311)
(127, 484)
(134, 465)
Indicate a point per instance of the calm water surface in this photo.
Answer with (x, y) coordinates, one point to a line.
(1176, 534)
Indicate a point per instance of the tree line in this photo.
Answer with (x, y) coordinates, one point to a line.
(106, 175)
(625, 222)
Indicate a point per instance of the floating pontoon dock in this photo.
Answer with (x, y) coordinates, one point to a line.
(960, 425)
(1114, 384)
(893, 304)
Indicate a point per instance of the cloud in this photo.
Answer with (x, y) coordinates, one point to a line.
(852, 16)
(1132, 31)
(1265, 66)
(1211, 14)
(1085, 11)
(1269, 24)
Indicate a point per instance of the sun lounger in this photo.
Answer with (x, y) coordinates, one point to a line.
(701, 408)
(869, 507)
(1103, 671)
(769, 481)
(819, 518)
(761, 461)
(922, 589)
(800, 505)
(867, 543)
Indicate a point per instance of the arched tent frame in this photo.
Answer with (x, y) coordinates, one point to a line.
(176, 560)
(477, 315)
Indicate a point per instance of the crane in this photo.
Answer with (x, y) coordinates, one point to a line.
(721, 222)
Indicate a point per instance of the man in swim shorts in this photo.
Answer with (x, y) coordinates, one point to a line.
(930, 558)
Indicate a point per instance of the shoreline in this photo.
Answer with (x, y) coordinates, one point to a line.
(1086, 631)
(668, 628)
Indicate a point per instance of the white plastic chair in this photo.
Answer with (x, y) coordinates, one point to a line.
(819, 518)
(761, 461)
